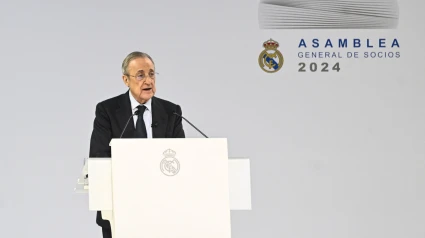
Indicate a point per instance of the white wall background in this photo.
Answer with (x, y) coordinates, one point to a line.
(333, 155)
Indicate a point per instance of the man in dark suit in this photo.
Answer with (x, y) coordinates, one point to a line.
(155, 120)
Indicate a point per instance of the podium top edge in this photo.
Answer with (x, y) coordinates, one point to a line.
(115, 140)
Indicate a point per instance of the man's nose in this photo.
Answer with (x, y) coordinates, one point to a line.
(148, 80)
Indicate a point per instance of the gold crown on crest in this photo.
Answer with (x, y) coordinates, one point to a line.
(169, 153)
(270, 44)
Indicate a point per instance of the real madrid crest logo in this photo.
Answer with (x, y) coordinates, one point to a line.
(170, 166)
(270, 59)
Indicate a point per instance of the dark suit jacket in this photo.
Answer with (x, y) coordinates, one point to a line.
(111, 117)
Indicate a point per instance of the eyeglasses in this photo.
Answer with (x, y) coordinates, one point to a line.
(142, 77)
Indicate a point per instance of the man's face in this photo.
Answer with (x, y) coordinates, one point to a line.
(141, 79)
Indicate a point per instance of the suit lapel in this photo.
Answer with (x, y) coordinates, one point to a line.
(159, 119)
(123, 113)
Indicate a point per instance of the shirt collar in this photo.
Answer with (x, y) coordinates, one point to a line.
(135, 103)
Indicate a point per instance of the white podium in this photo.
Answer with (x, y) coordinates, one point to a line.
(168, 188)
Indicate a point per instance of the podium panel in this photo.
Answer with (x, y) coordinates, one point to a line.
(170, 188)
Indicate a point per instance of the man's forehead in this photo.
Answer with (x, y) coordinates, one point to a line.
(139, 68)
(142, 66)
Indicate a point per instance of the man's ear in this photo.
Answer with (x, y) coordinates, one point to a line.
(125, 80)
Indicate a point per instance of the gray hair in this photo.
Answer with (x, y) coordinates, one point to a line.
(130, 57)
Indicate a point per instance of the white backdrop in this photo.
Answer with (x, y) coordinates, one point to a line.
(332, 154)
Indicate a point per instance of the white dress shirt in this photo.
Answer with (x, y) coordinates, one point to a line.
(147, 115)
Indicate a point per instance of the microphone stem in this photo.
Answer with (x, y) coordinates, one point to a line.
(194, 127)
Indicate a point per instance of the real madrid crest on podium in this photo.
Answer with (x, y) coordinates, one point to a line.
(270, 59)
(170, 166)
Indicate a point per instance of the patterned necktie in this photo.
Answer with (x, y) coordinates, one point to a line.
(140, 125)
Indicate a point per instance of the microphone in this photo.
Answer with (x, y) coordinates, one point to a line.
(175, 113)
(134, 114)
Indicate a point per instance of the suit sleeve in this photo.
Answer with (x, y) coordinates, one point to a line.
(101, 135)
(178, 126)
